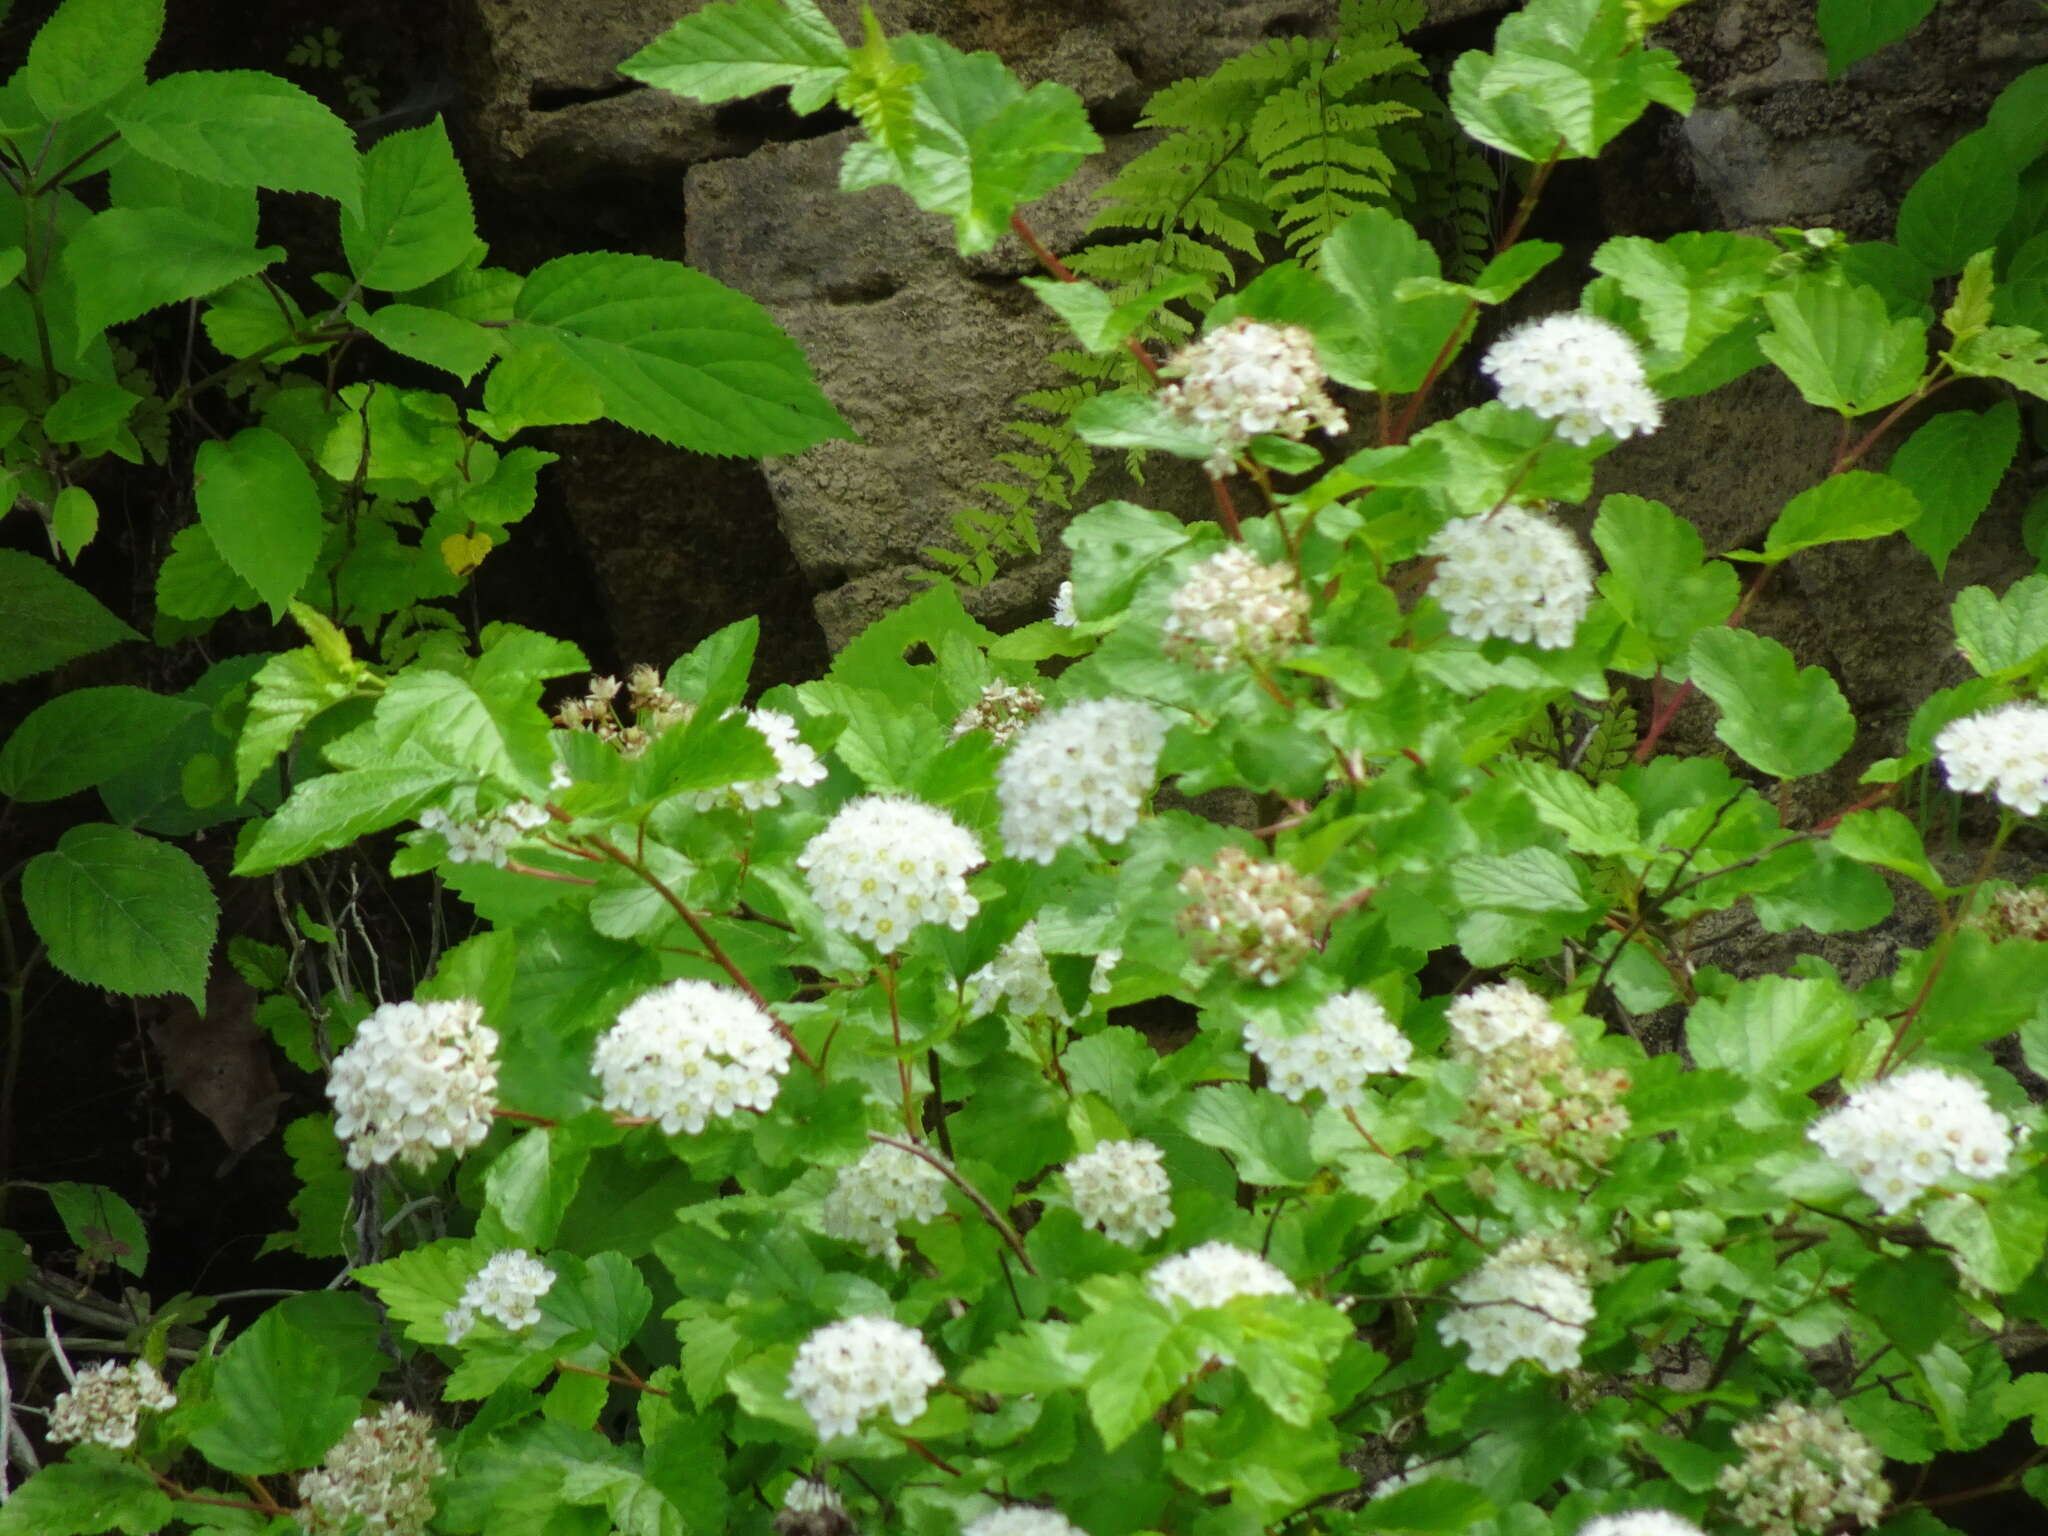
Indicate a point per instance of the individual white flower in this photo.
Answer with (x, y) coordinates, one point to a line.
(689, 1052)
(1214, 1273)
(851, 1370)
(1902, 1134)
(507, 1290)
(559, 776)
(810, 1507)
(810, 1495)
(1641, 1522)
(1577, 370)
(1805, 1469)
(380, 1473)
(105, 1404)
(1083, 768)
(1022, 1520)
(418, 1079)
(1233, 608)
(1003, 710)
(1348, 1039)
(1246, 378)
(795, 765)
(870, 1198)
(1020, 980)
(885, 863)
(1513, 573)
(1063, 606)
(1516, 1309)
(1260, 915)
(1121, 1188)
(2002, 750)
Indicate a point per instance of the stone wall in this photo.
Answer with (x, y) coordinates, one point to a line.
(924, 352)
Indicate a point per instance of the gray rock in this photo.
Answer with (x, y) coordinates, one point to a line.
(1755, 178)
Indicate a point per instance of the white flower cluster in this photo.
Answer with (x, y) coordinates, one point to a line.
(1121, 1188)
(1083, 768)
(507, 1290)
(1641, 1522)
(1259, 915)
(1020, 981)
(418, 1079)
(1577, 370)
(105, 1403)
(1234, 608)
(1532, 1090)
(869, 1198)
(1214, 1273)
(1063, 613)
(849, 1370)
(2014, 914)
(1902, 1134)
(1513, 573)
(2002, 750)
(1348, 1039)
(1246, 378)
(795, 765)
(886, 863)
(688, 1052)
(1519, 1308)
(1003, 710)
(1022, 1520)
(654, 708)
(1806, 1469)
(488, 840)
(380, 1473)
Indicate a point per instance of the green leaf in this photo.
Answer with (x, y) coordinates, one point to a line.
(259, 506)
(1266, 1137)
(1562, 69)
(1115, 544)
(90, 51)
(86, 1494)
(419, 1286)
(679, 356)
(529, 1186)
(608, 1297)
(1140, 1359)
(2009, 352)
(123, 911)
(289, 691)
(1134, 418)
(1911, 1297)
(1856, 504)
(1890, 841)
(1959, 204)
(2002, 634)
(1840, 347)
(1039, 1357)
(194, 583)
(2020, 116)
(127, 261)
(1997, 1237)
(320, 1209)
(1952, 464)
(979, 145)
(336, 809)
(1780, 1035)
(416, 222)
(1855, 29)
(1782, 718)
(84, 737)
(1970, 310)
(1527, 880)
(743, 47)
(1595, 819)
(1498, 281)
(714, 672)
(1099, 322)
(102, 1224)
(291, 1385)
(430, 336)
(88, 411)
(476, 731)
(1692, 288)
(1365, 259)
(48, 619)
(74, 519)
(1658, 577)
(244, 128)
(538, 384)
(2022, 299)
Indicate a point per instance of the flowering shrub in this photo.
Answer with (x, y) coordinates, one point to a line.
(892, 1107)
